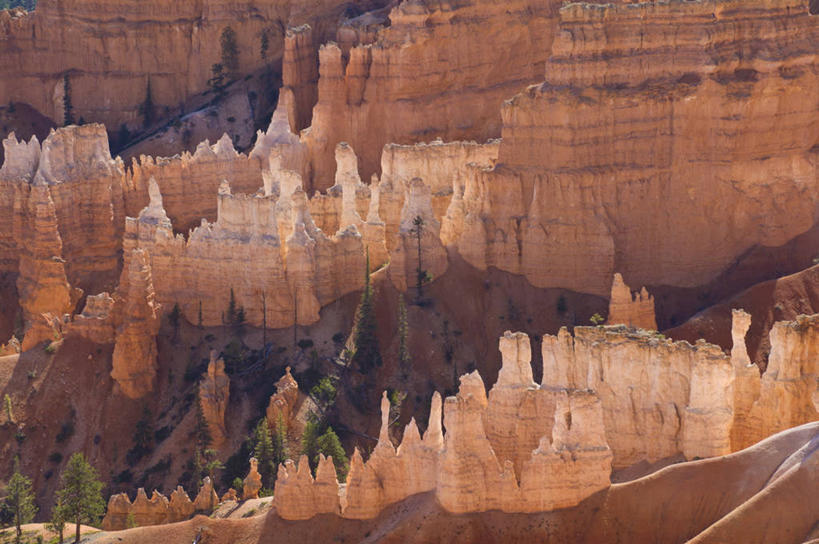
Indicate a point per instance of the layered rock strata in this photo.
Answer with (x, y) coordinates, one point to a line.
(107, 54)
(416, 82)
(660, 157)
(277, 277)
(188, 182)
(663, 398)
(74, 165)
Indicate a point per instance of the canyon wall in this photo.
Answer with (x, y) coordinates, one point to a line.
(667, 140)
(109, 52)
(84, 184)
(441, 69)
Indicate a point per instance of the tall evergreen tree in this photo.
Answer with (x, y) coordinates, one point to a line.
(329, 445)
(147, 109)
(367, 353)
(68, 107)
(80, 494)
(263, 451)
(230, 51)
(420, 273)
(232, 308)
(57, 522)
(404, 359)
(20, 500)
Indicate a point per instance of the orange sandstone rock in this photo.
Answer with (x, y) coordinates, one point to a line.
(252, 482)
(633, 310)
(214, 393)
(137, 324)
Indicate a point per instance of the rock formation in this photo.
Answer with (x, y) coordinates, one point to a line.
(662, 398)
(96, 322)
(42, 284)
(790, 385)
(207, 499)
(675, 201)
(462, 466)
(276, 279)
(143, 512)
(395, 87)
(418, 250)
(178, 43)
(282, 405)
(137, 324)
(214, 393)
(635, 310)
(84, 183)
(252, 482)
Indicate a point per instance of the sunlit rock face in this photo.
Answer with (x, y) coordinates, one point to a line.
(646, 153)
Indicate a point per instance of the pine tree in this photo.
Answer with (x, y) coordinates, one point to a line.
(329, 445)
(20, 500)
(143, 437)
(80, 494)
(404, 359)
(68, 107)
(420, 273)
(230, 51)
(232, 309)
(367, 354)
(279, 437)
(175, 317)
(146, 109)
(57, 522)
(309, 439)
(263, 451)
(9, 411)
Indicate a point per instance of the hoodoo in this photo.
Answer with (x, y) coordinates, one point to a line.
(255, 257)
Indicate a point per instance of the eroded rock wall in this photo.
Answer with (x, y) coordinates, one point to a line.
(439, 70)
(109, 51)
(667, 139)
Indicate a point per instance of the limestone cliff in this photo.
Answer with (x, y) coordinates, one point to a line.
(665, 157)
(276, 279)
(108, 52)
(438, 70)
(84, 184)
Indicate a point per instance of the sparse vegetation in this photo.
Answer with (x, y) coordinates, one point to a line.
(404, 359)
(19, 499)
(230, 51)
(68, 107)
(80, 494)
(366, 351)
(597, 320)
(147, 110)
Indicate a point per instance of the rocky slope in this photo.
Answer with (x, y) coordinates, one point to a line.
(110, 52)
